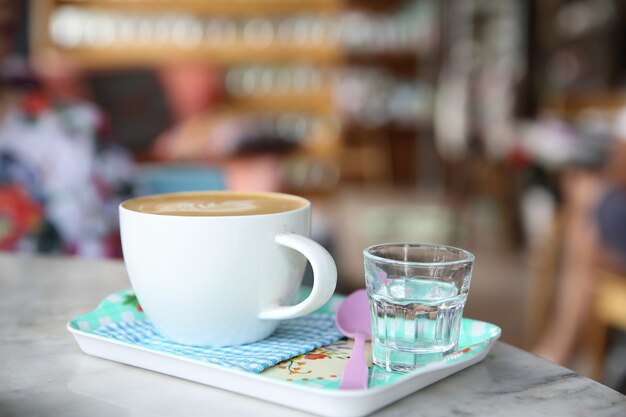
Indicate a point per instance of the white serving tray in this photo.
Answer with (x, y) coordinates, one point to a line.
(477, 337)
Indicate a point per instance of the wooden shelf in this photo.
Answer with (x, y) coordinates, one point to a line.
(320, 102)
(236, 53)
(571, 106)
(327, 140)
(214, 7)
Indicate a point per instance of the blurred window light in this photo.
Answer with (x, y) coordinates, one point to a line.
(75, 27)
(259, 33)
(187, 33)
(66, 27)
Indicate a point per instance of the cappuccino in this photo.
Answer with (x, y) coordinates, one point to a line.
(215, 203)
(222, 268)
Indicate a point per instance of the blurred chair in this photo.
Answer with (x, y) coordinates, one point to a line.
(608, 311)
(544, 265)
(169, 178)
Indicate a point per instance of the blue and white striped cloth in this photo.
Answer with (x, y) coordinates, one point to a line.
(292, 338)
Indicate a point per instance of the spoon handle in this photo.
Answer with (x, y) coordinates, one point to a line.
(355, 375)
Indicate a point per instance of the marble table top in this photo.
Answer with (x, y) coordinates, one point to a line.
(43, 372)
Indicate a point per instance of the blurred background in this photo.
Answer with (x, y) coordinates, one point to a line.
(494, 126)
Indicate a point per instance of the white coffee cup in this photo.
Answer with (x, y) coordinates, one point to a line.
(219, 280)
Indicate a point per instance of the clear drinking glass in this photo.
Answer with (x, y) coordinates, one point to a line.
(417, 293)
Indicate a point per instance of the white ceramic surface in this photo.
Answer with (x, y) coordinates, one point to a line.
(223, 280)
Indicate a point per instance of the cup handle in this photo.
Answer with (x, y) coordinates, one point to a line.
(324, 278)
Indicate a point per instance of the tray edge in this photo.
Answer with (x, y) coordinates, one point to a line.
(327, 403)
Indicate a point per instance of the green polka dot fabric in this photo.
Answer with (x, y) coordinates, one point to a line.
(117, 307)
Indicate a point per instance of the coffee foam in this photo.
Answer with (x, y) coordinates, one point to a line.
(208, 207)
(214, 204)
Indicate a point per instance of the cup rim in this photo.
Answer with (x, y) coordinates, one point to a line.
(306, 204)
(469, 256)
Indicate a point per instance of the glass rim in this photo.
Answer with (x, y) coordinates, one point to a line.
(469, 256)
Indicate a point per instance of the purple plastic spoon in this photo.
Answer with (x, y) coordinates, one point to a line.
(353, 320)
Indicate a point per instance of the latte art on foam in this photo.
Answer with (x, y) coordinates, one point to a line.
(208, 207)
(225, 203)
